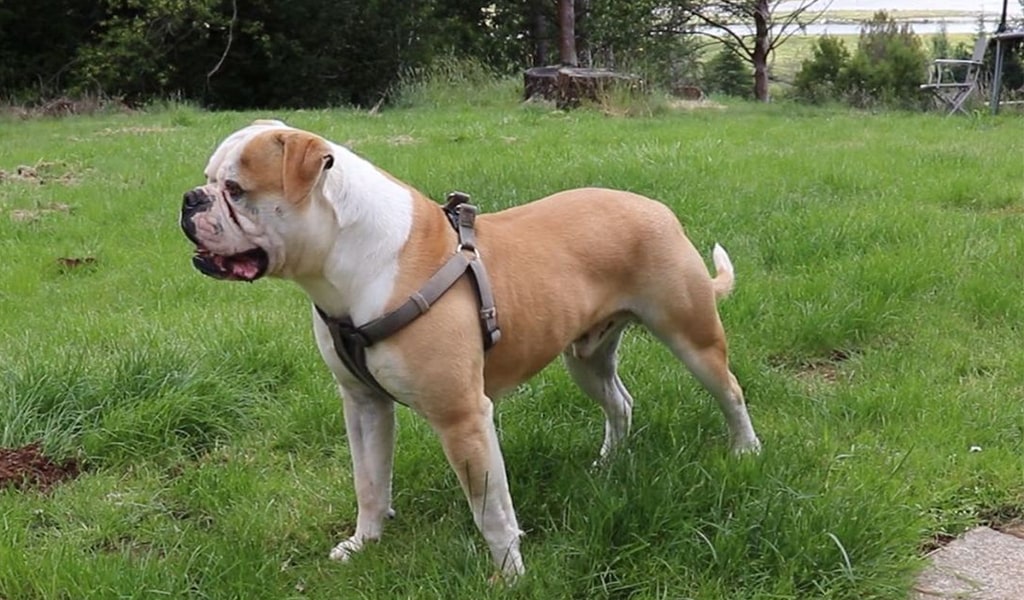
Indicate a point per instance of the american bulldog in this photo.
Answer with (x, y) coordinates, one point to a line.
(567, 273)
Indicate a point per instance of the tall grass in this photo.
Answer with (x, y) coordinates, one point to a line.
(874, 328)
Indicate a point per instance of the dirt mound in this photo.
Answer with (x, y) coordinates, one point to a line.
(28, 468)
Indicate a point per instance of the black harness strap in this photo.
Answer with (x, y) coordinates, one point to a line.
(351, 342)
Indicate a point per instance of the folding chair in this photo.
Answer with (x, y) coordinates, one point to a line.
(952, 81)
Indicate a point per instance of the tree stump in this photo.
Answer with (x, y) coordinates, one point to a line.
(568, 86)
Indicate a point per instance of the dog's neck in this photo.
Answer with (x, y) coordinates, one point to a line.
(374, 218)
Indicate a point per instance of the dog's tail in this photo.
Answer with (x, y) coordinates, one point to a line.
(725, 277)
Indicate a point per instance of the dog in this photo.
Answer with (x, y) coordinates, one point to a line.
(564, 274)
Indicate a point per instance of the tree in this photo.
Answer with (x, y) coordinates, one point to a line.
(725, 20)
(567, 33)
(37, 44)
(820, 78)
(888, 66)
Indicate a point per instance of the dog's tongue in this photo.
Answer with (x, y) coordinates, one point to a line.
(238, 266)
(246, 269)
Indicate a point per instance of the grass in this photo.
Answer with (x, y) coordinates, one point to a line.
(875, 328)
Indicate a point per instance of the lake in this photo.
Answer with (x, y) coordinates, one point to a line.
(990, 11)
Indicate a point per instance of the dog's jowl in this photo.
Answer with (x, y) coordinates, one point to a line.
(407, 298)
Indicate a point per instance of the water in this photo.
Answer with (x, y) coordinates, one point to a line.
(987, 7)
(989, 10)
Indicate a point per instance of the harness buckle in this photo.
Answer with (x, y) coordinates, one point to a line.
(469, 247)
(350, 333)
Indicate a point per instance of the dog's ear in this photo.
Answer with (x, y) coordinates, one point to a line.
(306, 157)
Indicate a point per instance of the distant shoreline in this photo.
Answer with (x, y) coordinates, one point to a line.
(857, 16)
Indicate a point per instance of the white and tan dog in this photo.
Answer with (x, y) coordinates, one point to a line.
(569, 272)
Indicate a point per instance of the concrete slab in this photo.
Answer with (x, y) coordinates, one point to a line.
(983, 564)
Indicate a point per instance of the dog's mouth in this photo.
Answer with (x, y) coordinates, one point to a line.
(244, 266)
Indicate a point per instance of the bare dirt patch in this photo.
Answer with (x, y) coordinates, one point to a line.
(28, 468)
(28, 215)
(108, 131)
(67, 264)
(64, 106)
(42, 173)
(1006, 519)
(688, 105)
(936, 541)
(392, 140)
(827, 368)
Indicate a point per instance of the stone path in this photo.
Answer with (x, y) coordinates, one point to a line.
(983, 564)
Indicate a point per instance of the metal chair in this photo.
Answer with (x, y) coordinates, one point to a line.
(952, 81)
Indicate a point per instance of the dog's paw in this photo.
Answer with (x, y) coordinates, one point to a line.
(745, 447)
(344, 551)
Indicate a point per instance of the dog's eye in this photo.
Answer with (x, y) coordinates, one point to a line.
(233, 189)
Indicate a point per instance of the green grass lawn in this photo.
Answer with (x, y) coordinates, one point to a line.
(876, 328)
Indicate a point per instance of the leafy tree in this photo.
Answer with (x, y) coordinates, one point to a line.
(726, 73)
(649, 35)
(150, 49)
(38, 41)
(888, 66)
(820, 77)
(764, 25)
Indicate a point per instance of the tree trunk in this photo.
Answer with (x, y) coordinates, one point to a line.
(581, 35)
(539, 31)
(567, 33)
(760, 58)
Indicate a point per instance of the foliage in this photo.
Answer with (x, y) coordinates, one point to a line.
(231, 54)
(643, 37)
(888, 66)
(149, 49)
(820, 77)
(292, 53)
(754, 30)
(36, 40)
(727, 73)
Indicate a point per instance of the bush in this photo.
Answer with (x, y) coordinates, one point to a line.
(820, 77)
(727, 73)
(888, 67)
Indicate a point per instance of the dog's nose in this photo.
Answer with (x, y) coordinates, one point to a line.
(194, 199)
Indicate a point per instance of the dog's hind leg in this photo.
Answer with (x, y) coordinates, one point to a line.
(710, 365)
(370, 425)
(682, 312)
(470, 442)
(593, 366)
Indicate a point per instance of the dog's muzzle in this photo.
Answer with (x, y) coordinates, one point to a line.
(194, 202)
(244, 266)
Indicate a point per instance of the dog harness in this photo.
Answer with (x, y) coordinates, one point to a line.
(351, 341)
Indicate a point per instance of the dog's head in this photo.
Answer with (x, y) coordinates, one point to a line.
(264, 187)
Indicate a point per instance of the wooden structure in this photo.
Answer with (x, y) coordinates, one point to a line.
(1003, 40)
(953, 81)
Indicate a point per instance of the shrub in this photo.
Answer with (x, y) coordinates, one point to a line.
(819, 77)
(888, 67)
(727, 73)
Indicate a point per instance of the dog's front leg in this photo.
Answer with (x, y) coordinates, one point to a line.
(370, 425)
(471, 444)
